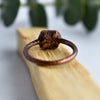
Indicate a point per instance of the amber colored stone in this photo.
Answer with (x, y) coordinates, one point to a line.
(48, 39)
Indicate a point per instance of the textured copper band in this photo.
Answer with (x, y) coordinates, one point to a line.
(49, 39)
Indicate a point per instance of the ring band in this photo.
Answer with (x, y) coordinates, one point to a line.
(49, 40)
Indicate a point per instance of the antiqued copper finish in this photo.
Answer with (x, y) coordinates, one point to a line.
(49, 39)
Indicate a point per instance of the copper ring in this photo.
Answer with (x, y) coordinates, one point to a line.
(49, 39)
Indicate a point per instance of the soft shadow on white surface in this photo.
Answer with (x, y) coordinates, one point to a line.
(15, 80)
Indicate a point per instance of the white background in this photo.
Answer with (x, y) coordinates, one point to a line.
(15, 81)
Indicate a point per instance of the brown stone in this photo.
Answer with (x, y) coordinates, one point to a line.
(48, 39)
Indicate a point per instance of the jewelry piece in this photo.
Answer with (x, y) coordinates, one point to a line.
(49, 39)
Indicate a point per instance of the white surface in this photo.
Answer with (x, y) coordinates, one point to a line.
(15, 81)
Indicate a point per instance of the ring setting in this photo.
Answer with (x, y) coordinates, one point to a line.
(49, 39)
